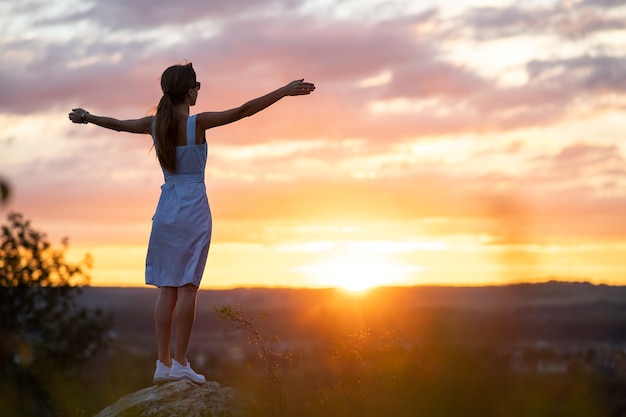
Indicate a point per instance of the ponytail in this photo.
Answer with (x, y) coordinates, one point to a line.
(175, 82)
(165, 134)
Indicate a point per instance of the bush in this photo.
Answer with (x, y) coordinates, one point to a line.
(41, 324)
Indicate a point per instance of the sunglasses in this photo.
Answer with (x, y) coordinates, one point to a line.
(196, 85)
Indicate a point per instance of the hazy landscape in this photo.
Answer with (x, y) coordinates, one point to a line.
(455, 143)
(529, 349)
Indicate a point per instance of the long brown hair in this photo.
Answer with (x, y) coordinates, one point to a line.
(175, 82)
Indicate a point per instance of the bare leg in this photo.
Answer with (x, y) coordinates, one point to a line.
(163, 314)
(184, 315)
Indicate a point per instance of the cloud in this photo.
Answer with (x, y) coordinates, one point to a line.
(581, 165)
(248, 51)
(108, 57)
(120, 15)
(581, 75)
(572, 20)
(604, 3)
(577, 192)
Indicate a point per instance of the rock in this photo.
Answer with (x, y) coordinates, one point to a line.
(182, 398)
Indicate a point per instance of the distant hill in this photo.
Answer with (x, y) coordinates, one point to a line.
(507, 297)
(557, 311)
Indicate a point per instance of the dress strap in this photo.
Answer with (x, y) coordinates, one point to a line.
(191, 130)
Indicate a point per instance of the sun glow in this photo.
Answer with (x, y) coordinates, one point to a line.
(358, 273)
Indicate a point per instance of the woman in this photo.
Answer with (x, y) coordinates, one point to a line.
(181, 226)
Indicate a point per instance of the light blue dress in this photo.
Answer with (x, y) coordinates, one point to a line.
(181, 226)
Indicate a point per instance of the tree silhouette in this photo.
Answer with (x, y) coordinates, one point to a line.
(41, 324)
(4, 191)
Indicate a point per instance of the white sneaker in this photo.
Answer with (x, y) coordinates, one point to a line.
(162, 373)
(179, 372)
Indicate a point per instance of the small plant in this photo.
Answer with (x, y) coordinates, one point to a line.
(270, 359)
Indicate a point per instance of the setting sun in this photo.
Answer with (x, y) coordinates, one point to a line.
(357, 272)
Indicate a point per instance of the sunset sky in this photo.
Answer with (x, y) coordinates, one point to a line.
(464, 142)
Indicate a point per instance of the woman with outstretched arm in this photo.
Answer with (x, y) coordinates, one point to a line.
(181, 226)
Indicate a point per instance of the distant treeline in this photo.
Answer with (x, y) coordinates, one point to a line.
(552, 311)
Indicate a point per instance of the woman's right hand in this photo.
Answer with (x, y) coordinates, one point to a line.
(299, 88)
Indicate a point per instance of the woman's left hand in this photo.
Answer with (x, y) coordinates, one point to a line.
(76, 115)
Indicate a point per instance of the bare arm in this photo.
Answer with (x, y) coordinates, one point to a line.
(208, 120)
(142, 125)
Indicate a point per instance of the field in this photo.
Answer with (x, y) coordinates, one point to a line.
(552, 349)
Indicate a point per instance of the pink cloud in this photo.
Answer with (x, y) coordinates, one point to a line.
(250, 53)
(576, 19)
